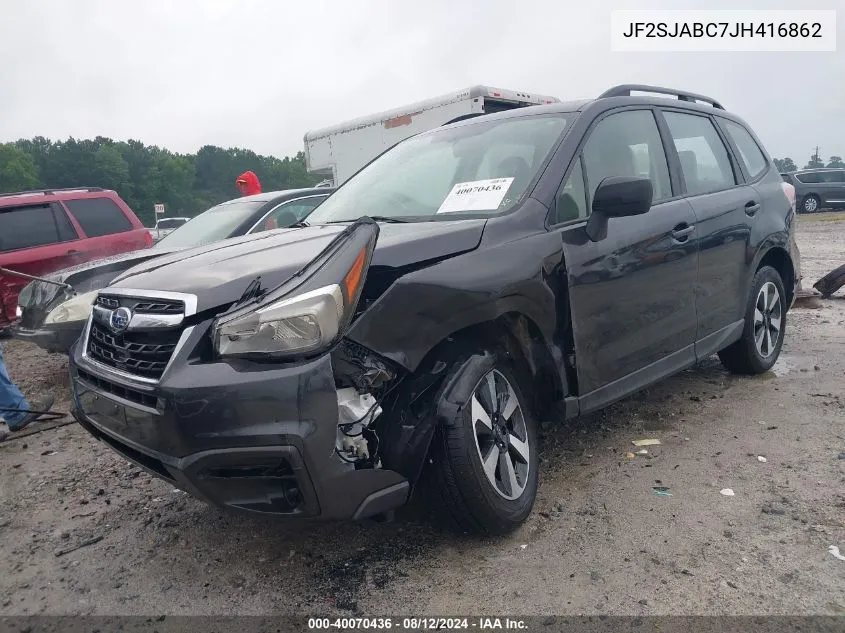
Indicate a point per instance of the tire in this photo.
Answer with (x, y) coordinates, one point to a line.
(478, 502)
(756, 353)
(811, 204)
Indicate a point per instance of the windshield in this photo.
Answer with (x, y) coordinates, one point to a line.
(213, 225)
(474, 170)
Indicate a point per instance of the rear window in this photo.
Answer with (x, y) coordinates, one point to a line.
(171, 223)
(27, 227)
(755, 162)
(99, 216)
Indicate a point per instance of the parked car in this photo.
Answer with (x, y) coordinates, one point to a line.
(818, 189)
(165, 226)
(432, 312)
(45, 230)
(53, 311)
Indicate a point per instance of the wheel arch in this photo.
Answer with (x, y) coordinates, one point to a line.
(778, 258)
(423, 404)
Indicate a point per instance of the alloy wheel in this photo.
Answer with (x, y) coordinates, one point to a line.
(811, 205)
(768, 317)
(501, 436)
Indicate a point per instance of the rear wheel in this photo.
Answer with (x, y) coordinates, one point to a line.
(765, 324)
(486, 464)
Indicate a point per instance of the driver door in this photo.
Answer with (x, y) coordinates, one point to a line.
(631, 295)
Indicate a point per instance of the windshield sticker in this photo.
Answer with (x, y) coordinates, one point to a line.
(477, 195)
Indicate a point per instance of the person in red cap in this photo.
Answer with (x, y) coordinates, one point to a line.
(248, 183)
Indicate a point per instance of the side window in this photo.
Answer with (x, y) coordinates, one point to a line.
(833, 176)
(27, 227)
(66, 231)
(571, 199)
(809, 178)
(704, 158)
(288, 213)
(755, 161)
(98, 216)
(627, 144)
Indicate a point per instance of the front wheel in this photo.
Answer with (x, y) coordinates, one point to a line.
(765, 323)
(486, 463)
(811, 204)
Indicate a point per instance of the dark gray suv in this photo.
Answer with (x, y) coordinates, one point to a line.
(817, 189)
(529, 265)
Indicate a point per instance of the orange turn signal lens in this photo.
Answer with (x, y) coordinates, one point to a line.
(353, 277)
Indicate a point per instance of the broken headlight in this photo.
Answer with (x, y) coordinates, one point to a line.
(76, 308)
(309, 312)
(297, 325)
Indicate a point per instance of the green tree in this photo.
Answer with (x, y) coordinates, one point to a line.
(18, 170)
(111, 171)
(176, 184)
(836, 162)
(785, 164)
(144, 175)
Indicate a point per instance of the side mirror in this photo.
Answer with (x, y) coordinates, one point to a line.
(621, 196)
(618, 197)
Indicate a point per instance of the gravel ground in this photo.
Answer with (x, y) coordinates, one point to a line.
(600, 541)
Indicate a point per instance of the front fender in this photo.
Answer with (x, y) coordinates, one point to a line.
(425, 307)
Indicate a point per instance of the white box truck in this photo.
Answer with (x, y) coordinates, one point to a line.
(337, 152)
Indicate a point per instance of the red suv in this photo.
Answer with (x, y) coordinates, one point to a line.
(46, 230)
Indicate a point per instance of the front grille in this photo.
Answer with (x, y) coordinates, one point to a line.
(141, 306)
(141, 353)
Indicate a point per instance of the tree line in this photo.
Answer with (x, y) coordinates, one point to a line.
(815, 162)
(144, 175)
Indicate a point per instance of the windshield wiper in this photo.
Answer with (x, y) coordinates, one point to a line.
(377, 218)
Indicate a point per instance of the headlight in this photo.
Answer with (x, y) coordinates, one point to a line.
(297, 325)
(309, 312)
(76, 308)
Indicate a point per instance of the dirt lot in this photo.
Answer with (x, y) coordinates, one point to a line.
(600, 539)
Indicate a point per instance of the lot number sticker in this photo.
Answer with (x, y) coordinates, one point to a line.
(478, 195)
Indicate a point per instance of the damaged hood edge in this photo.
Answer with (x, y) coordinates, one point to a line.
(219, 274)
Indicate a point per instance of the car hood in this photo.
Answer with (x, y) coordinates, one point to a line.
(42, 296)
(219, 273)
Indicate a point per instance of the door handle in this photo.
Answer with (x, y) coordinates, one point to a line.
(751, 208)
(682, 232)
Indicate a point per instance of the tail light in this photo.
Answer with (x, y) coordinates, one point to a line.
(148, 239)
(789, 192)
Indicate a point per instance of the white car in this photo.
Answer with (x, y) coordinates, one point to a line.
(165, 226)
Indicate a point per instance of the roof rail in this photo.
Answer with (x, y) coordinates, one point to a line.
(49, 192)
(625, 90)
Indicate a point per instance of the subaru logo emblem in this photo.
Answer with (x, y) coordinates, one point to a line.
(119, 319)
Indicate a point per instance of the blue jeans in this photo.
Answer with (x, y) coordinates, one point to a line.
(10, 397)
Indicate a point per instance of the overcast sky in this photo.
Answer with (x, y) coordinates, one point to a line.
(260, 73)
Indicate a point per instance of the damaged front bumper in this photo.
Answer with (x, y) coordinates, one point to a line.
(259, 441)
(56, 339)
